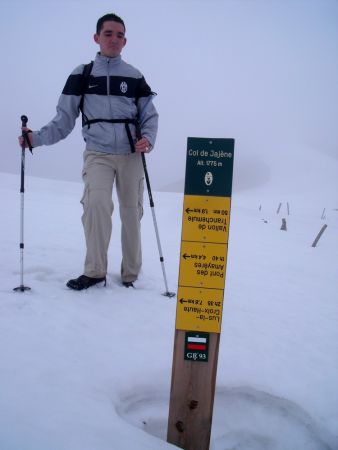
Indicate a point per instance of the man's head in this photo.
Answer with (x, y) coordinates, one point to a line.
(110, 35)
(108, 17)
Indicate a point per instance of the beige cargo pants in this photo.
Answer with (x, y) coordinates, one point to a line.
(100, 171)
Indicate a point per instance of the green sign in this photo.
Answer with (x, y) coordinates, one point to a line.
(209, 167)
(196, 347)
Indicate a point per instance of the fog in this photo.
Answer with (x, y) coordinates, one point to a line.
(264, 72)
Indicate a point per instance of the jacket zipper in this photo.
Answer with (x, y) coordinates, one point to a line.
(108, 94)
(108, 87)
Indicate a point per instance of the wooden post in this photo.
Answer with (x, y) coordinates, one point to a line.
(204, 246)
(315, 242)
(192, 396)
(279, 207)
(323, 214)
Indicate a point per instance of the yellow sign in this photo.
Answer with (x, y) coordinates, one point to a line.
(206, 219)
(203, 265)
(199, 309)
(205, 234)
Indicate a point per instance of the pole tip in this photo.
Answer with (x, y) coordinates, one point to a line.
(169, 294)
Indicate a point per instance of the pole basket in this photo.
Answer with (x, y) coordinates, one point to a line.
(22, 289)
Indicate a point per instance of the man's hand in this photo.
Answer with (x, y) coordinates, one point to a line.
(22, 140)
(143, 145)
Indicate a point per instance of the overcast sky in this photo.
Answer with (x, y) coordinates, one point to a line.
(264, 72)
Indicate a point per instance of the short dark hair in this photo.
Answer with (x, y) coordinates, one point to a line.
(108, 17)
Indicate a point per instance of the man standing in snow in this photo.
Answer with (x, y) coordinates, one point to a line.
(119, 122)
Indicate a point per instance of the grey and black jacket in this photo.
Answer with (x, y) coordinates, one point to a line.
(115, 90)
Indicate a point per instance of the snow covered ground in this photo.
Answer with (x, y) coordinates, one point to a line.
(91, 370)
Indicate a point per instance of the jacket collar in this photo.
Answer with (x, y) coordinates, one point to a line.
(106, 59)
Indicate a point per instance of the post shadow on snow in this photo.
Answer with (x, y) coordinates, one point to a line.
(244, 419)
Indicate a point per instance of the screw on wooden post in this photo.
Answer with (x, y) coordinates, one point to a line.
(279, 207)
(179, 426)
(283, 227)
(193, 404)
(315, 242)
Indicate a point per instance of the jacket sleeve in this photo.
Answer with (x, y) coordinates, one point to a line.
(148, 115)
(67, 111)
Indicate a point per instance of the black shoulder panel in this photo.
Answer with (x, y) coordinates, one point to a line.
(73, 85)
(143, 89)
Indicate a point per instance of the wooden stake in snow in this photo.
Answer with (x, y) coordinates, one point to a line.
(279, 207)
(319, 235)
(283, 227)
(323, 214)
(288, 208)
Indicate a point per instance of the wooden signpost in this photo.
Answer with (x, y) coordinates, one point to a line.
(203, 258)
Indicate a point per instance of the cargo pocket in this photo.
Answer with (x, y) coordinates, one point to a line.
(140, 198)
(84, 198)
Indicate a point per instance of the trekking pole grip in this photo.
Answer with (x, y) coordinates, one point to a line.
(24, 120)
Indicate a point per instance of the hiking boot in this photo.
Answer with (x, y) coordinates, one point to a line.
(84, 282)
(127, 284)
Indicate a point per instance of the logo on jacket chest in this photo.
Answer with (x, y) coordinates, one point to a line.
(123, 87)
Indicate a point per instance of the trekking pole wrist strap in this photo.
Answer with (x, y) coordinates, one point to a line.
(27, 140)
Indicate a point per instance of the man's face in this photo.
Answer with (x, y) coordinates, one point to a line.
(111, 38)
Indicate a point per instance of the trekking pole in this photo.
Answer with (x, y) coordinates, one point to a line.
(152, 207)
(167, 293)
(24, 121)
